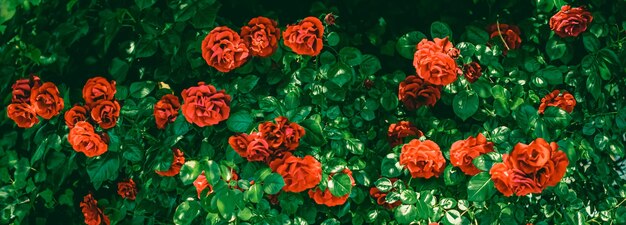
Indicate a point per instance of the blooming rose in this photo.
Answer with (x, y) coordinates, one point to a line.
(22, 88)
(93, 214)
(106, 113)
(252, 147)
(282, 135)
(563, 100)
(177, 162)
(398, 131)
(433, 61)
(98, 88)
(463, 152)
(261, 36)
(414, 92)
(299, 173)
(422, 159)
(305, 38)
(570, 22)
(509, 33)
(472, 71)
(381, 197)
(127, 189)
(46, 100)
(23, 114)
(502, 178)
(224, 50)
(166, 110)
(202, 183)
(74, 115)
(83, 139)
(326, 198)
(204, 105)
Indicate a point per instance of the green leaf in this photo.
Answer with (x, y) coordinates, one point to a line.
(591, 42)
(383, 184)
(273, 183)
(390, 167)
(526, 116)
(340, 185)
(341, 74)
(102, 169)
(545, 5)
(118, 70)
(555, 48)
(465, 104)
(333, 39)
(354, 145)
(240, 121)
(594, 84)
(389, 101)
(351, 56)
(453, 217)
(408, 197)
(476, 35)
(440, 30)
(405, 214)
(186, 212)
(407, 44)
(141, 89)
(480, 187)
(556, 117)
(143, 4)
(551, 74)
(452, 175)
(289, 202)
(189, 172)
(245, 84)
(314, 135)
(370, 65)
(254, 194)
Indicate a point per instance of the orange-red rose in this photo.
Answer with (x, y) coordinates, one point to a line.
(510, 34)
(127, 189)
(202, 183)
(22, 89)
(433, 61)
(305, 38)
(224, 50)
(83, 139)
(204, 105)
(74, 115)
(563, 100)
(299, 173)
(46, 100)
(23, 114)
(472, 71)
(177, 162)
(282, 135)
(422, 159)
(414, 92)
(252, 147)
(530, 168)
(166, 110)
(570, 22)
(96, 89)
(463, 152)
(106, 113)
(93, 214)
(398, 131)
(261, 36)
(326, 198)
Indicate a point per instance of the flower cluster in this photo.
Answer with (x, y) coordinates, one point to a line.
(100, 108)
(270, 142)
(225, 50)
(529, 168)
(30, 98)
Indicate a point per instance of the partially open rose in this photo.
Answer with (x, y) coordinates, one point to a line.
(261, 36)
(224, 50)
(305, 38)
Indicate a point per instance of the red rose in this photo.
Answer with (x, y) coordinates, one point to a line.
(463, 152)
(414, 92)
(326, 198)
(261, 36)
(282, 135)
(252, 147)
(509, 34)
(564, 101)
(22, 88)
(202, 183)
(46, 100)
(204, 105)
(224, 50)
(177, 162)
(23, 114)
(422, 159)
(570, 22)
(472, 71)
(98, 88)
(305, 38)
(398, 131)
(502, 177)
(433, 61)
(83, 139)
(106, 113)
(74, 115)
(93, 214)
(166, 110)
(299, 173)
(127, 189)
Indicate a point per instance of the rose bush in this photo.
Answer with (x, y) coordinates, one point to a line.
(351, 112)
